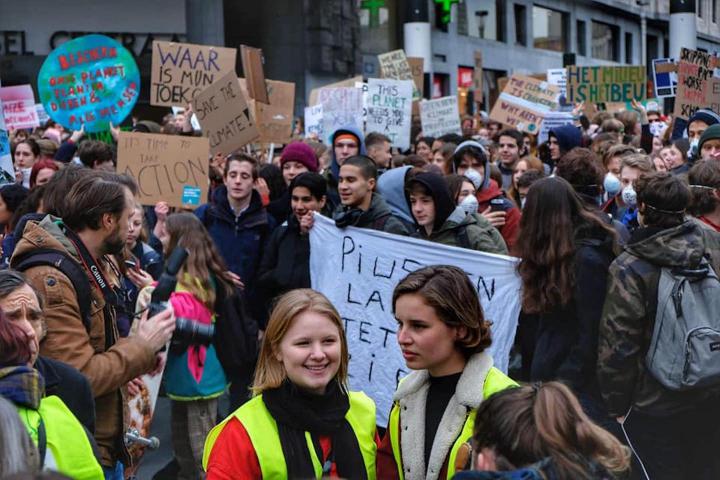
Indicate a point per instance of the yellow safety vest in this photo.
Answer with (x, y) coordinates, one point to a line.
(495, 381)
(263, 432)
(66, 439)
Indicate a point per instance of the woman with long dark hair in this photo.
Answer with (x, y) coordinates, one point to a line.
(565, 251)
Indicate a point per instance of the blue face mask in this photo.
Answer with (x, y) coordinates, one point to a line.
(612, 185)
(629, 196)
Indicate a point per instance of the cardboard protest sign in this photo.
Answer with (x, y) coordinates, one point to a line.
(695, 72)
(394, 65)
(181, 70)
(315, 92)
(357, 269)
(7, 171)
(168, 168)
(19, 107)
(252, 63)
(389, 110)
(665, 80)
(417, 65)
(224, 115)
(90, 81)
(478, 77)
(342, 107)
(440, 116)
(524, 102)
(275, 119)
(313, 121)
(606, 84)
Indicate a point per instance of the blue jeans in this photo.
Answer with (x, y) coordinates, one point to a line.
(114, 473)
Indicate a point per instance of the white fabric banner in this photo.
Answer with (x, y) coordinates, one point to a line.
(358, 269)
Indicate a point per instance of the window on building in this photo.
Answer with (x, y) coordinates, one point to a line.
(715, 9)
(700, 7)
(549, 29)
(628, 47)
(520, 24)
(581, 38)
(605, 41)
(484, 20)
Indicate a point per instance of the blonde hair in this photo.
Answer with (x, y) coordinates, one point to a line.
(270, 372)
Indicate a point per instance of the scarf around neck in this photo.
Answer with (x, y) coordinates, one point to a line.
(22, 385)
(297, 411)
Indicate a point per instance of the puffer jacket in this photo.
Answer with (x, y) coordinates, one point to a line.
(107, 369)
(628, 318)
(472, 231)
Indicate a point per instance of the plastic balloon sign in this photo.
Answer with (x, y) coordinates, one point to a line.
(91, 81)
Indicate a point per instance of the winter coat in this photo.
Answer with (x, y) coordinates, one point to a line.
(472, 231)
(286, 262)
(567, 337)
(377, 217)
(107, 369)
(490, 195)
(240, 239)
(543, 470)
(628, 318)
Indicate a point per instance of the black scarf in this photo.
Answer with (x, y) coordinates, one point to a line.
(297, 411)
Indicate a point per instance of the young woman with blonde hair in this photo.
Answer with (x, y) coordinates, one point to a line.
(302, 422)
(540, 432)
(443, 336)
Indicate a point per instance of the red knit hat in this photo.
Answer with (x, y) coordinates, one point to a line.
(301, 153)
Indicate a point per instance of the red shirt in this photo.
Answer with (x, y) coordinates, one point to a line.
(233, 455)
(707, 221)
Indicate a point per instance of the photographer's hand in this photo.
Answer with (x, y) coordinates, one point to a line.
(157, 330)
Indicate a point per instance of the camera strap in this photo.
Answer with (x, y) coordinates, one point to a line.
(110, 295)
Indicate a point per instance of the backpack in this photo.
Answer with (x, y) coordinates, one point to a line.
(69, 267)
(684, 352)
(236, 334)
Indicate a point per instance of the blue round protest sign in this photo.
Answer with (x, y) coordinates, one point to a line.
(91, 81)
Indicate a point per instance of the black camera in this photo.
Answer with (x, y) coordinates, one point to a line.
(187, 332)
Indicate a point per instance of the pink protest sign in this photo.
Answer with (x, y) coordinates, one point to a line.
(19, 107)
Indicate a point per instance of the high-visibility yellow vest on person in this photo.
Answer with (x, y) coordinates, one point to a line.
(67, 448)
(263, 432)
(495, 381)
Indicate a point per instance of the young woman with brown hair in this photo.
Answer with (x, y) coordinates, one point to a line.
(302, 422)
(194, 377)
(540, 432)
(443, 336)
(565, 251)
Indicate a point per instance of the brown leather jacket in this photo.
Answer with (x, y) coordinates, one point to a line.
(67, 340)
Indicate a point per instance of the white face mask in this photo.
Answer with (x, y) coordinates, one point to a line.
(26, 176)
(469, 204)
(629, 196)
(522, 202)
(611, 184)
(693, 148)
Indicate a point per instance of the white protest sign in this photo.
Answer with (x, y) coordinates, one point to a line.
(364, 87)
(440, 116)
(553, 120)
(342, 107)
(7, 171)
(358, 269)
(389, 109)
(313, 121)
(557, 76)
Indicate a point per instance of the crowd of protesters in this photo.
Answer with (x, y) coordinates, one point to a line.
(598, 215)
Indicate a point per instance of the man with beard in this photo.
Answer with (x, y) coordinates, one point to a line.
(80, 309)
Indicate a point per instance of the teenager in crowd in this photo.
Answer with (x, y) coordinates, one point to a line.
(524, 183)
(423, 148)
(303, 422)
(471, 154)
(361, 206)
(440, 220)
(379, 149)
(66, 446)
(391, 186)
(709, 144)
(510, 147)
(194, 378)
(286, 262)
(12, 196)
(25, 155)
(563, 139)
(522, 166)
(443, 336)
(442, 157)
(539, 432)
(42, 171)
(296, 158)
(625, 205)
(675, 156)
(704, 178)
(565, 250)
(346, 143)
